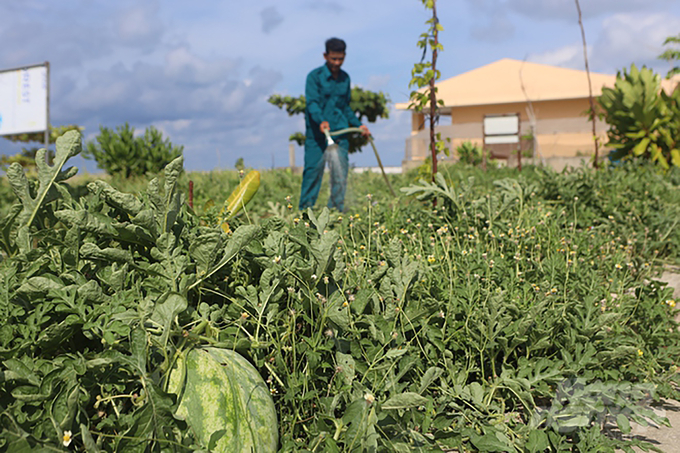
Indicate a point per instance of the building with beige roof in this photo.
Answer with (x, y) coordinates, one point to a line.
(547, 103)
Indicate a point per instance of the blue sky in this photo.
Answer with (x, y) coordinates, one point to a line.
(201, 71)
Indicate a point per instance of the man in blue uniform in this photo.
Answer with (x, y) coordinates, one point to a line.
(327, 93)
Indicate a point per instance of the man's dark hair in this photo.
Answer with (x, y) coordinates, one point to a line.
(335, 45)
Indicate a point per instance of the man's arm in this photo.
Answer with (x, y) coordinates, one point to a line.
(348, 112)
(351, 116)
(313, 99)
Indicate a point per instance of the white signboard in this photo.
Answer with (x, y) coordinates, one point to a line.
(500, 139)
(501, 129)
(23, 100)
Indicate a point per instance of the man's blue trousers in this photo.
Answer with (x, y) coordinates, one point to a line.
(316, 158)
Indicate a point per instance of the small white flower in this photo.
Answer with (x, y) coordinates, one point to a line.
(277, 259)
(370, 399)
(66, 438)
(313, 276)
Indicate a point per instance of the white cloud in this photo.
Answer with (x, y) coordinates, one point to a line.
(628, 38)
(140, 26)
(203, 72)
(623, 39)
(570, 56)
(184, 87)
(182, 65)
(173, 126)
(566, 9)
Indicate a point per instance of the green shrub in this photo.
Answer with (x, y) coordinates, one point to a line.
(120, 153)
(643, 120)
(469, 153)
(367, 105)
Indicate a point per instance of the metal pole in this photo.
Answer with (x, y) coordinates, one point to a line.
(47, 109)
(519, 142)
(483, 144)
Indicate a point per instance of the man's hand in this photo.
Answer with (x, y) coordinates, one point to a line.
(324, 126)
(364, 131)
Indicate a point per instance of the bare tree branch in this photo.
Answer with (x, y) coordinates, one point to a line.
(590, 87)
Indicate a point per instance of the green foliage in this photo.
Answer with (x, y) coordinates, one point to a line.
(367, 105)
(424, 75)
(25, 158)
(240, 165)
(120, 153)
(98, 296)
(55, 132)
(48, 187)
(671, 55)
(522, 314)
(298, 137)
(643, 120)
(469, 153)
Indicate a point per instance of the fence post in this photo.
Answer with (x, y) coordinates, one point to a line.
(191, 194)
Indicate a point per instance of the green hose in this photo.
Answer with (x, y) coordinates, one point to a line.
(377, 156)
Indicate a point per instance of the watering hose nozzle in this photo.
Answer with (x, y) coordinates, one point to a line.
(329, 140)
(331, 146)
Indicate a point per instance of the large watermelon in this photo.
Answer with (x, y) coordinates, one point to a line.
(219, 390)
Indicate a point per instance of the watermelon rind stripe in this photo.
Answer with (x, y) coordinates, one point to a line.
(218, 389)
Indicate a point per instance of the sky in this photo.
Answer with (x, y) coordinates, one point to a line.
(202, 71)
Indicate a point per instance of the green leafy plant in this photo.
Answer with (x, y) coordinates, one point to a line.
(366, 104)
(27, 156)
(644, 121)
(520, 314)
(54, 133)
(424, 75)
(121, 153)
(89, 338)
(671, 55)
(469, 153)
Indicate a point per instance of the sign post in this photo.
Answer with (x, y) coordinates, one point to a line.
(47, 106)
(502, 135)
(25, 100)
